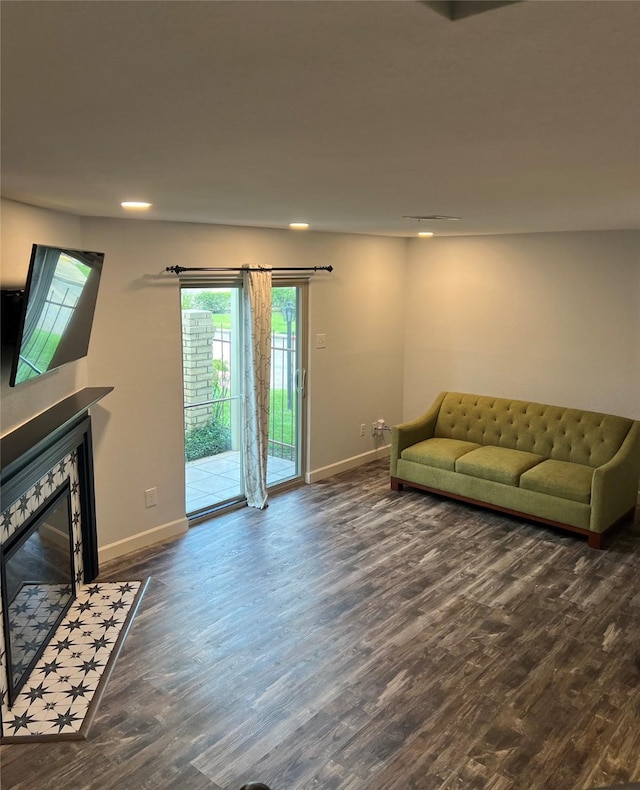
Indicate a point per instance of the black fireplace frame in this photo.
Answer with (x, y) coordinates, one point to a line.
(38, 450)
(32, 450)
(7, 551)
(34, 467)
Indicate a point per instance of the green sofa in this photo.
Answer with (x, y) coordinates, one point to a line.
(574, 469)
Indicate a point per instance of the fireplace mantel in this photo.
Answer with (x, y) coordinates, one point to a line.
(50, 453)
(18, 447)
(34, 448)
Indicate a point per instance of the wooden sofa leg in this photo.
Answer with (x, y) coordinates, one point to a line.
(596, 540)
(396, 485)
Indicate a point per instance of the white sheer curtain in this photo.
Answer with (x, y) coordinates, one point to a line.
(256, 341)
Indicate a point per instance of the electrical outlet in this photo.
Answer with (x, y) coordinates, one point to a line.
(362, 427)
(151, 497)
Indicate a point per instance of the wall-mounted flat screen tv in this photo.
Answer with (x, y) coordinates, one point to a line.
(57, 311)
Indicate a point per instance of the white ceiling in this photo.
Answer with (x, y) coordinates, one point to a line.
(345, 114)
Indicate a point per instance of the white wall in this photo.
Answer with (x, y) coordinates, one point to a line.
(548, 317)
(358, 378)
(136, 347)
(23, 226)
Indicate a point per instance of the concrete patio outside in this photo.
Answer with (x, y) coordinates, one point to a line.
(216, 479)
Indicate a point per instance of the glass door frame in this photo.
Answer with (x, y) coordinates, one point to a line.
(235, 395)
(299, 377)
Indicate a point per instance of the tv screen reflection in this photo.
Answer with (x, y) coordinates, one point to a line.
(60, 299)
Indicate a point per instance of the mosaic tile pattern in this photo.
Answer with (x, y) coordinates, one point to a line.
(55, 700)
(32, 613)
(20, 511)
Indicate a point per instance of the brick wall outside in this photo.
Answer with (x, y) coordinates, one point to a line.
(197, 364)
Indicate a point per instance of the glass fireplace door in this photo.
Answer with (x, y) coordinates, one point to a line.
(38, 585)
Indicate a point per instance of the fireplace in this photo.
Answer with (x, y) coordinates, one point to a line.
(38, 585)
(48, 543)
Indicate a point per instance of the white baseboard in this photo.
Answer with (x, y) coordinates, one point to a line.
(348, 463)
(165, 532)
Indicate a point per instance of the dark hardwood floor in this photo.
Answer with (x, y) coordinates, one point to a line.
(350, 637)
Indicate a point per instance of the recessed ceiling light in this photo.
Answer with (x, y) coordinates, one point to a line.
(299, 225)
(135, 204)
(425, 234)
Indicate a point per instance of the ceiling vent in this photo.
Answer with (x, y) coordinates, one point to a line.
(428, 217)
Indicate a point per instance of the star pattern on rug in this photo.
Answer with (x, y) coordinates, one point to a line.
(67, 719)
(25, 720)
(61, 644)
(81, 690)
(101, 641)
(33, 612)
(57, 696)
(37, 692)
(74, 625)
(50, 667)
(91, 665)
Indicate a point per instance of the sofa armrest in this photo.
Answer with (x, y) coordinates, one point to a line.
(408, 433)
(614, 488)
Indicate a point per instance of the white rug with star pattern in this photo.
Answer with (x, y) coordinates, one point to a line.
(59, 700)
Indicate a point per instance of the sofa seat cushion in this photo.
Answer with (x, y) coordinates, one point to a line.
(442, 453)
(499, 464)
(560, 478)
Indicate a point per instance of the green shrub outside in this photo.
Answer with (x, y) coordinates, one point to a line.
(214, 301)
(207, 439)
(214, 436)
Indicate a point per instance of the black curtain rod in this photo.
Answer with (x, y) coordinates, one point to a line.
(180, 269)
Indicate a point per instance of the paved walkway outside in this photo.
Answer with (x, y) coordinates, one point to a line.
(217, 478)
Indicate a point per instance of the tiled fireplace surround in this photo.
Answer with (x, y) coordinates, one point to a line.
(37, 459)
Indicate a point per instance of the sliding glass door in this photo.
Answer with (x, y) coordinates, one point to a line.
(213, 396)
(212, 385)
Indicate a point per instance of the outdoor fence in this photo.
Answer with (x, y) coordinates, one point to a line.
(211, 386)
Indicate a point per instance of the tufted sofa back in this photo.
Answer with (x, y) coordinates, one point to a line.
(582, 437)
